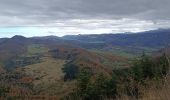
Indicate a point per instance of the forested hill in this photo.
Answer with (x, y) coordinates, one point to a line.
(155, 38)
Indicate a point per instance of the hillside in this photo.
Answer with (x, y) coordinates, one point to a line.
(41, 60)
(84, 58)
(50, 65)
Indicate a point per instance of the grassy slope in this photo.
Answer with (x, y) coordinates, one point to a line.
(36, 49)
(47, 75)
(49, 70)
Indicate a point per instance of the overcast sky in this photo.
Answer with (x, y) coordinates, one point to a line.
(62, 17)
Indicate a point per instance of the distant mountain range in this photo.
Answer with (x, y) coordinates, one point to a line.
(154, 38)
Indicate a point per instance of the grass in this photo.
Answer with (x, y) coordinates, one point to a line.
(116, 64)
(113, 64)
(122, 53)
(50, 70)
(131, 52)
(115, 51)
(36, 49)
(48, 77)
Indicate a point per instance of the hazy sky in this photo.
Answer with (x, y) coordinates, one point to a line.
(62, 17)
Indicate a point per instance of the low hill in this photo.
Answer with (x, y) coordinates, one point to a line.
(85, 58)
(12, 47)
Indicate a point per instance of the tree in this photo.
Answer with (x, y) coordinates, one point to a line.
(99, 87)
(83, 82)
(143, 68)
(111, 87)
(147, 65)
(137, 71)
(162, 66)
(71, 71)
(3, 91)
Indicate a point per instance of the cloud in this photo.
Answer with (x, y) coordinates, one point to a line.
(86, 16)
(88, 26)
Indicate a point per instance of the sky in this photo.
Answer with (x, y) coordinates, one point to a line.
(71, 17)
